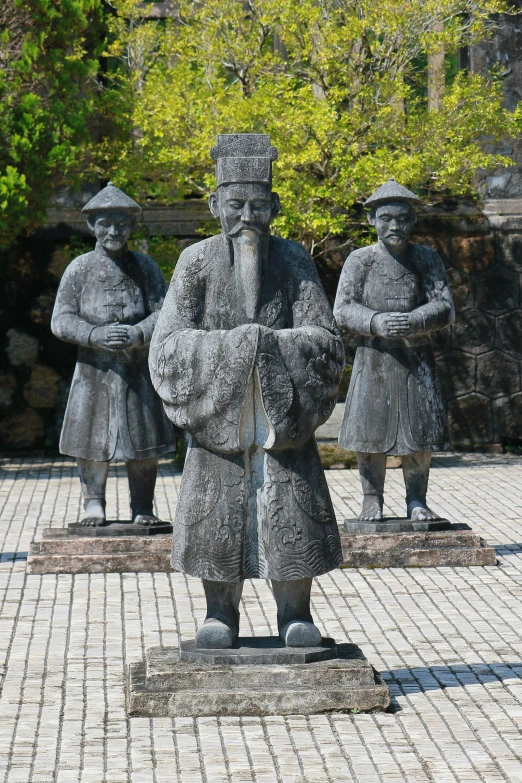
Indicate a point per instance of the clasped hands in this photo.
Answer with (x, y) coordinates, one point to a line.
(391, 324)
(116, 337)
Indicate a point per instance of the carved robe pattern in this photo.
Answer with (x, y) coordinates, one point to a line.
(394, 403)
(254, 500)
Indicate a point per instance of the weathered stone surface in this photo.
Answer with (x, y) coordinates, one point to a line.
(509, 332)
(457, 373)
(462, 288)
(118, 529)
(257, 651)
(59, 552)
(510, 250)
(474, 331)
(470, 418)
(42, 388)
(164, 686)
(7, 390)
(497, 290)
(507, 417)
(498, 374)
(22, 348)
(395, 525)
(458, 546)
(473, 253)
(22, 430)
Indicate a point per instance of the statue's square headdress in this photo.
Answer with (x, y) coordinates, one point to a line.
(112, 199)
(392, 191)
(243, 157)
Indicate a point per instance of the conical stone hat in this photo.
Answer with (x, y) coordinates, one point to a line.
(113, 199)
(392, 191)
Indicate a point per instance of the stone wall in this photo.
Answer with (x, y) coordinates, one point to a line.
(479, 357)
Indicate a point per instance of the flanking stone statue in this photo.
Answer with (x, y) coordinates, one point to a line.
(393, 295)
(247, 358)
(108, 303)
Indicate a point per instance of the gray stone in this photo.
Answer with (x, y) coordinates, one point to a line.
(256, 651)
(392, 295)
(116, 529)
(474, 332)
(247, 359)
(395, 525)
(108, 304)
(498, 374)
(470, 419)
(456, 547)
(164, 686)
(22, 348)
(497, 290)
(61, 552)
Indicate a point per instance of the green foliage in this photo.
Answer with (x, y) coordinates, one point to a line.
(340, 85)
(48, 63)
(165, 251)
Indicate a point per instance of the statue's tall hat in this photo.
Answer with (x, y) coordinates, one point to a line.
(112, 199)
(392, 191)
(243, 157)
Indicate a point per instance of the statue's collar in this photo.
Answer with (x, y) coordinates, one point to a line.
(108, 266)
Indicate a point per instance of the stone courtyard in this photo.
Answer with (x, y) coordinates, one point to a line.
(448, 642)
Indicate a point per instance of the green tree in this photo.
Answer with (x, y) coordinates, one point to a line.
(49, 61)
(340, 85)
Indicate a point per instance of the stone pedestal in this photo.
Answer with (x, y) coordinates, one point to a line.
(259, 677)
(116, 547)
(454, 546)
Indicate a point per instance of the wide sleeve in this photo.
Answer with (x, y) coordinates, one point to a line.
(155, 291)
(350, 314)
(201, 376)
(66, 323)
(300, 368)
(439, 310)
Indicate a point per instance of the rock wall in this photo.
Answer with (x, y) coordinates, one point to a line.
(479, 357)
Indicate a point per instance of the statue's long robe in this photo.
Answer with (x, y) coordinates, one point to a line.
(394, 403)
(254, 500)
(112, 404)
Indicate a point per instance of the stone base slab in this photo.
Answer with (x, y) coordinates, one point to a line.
(62, 553)
(59, 552)
(124, 527)
(163, 686)
(458, 546)
(395, 525)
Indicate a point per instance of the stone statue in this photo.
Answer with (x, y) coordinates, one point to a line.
(392, 295)
(108, 303)
(247, 358)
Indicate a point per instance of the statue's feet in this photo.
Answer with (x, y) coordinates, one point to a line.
(419, 512)
(372, 509)
(147, 520)
(92, 522)
(298, 633)
(94, 514)
(215, 635)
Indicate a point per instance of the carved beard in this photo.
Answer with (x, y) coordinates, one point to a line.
(248, 264)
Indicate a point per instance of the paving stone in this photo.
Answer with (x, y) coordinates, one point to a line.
(447, 641)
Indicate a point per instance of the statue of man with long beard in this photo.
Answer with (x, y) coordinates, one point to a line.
(247, 359)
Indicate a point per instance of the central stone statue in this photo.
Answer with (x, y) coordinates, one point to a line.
(247, 358)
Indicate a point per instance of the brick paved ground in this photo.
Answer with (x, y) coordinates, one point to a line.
(448, 641)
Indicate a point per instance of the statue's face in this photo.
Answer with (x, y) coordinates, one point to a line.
(393, 223)
(112, 229)
(241, 206)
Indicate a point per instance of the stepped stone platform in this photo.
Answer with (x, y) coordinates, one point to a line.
(260, 676)
(117, 547)
(391, 544)
(64, 552)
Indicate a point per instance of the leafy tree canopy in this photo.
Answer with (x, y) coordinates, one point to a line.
(340, 85)
(48, 64)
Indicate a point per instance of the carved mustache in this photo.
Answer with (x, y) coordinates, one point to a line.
(239, 227)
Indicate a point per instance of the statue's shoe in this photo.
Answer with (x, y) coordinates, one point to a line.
(92, 522)
(215, 635)
(147, 520)
(298, 633)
